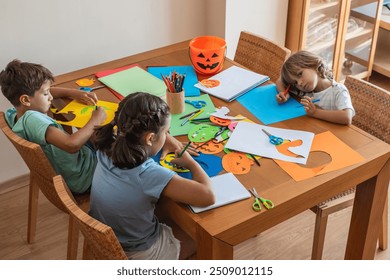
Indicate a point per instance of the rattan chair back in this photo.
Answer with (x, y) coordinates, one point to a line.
(372, 106)
(260, 55)
(100, 238)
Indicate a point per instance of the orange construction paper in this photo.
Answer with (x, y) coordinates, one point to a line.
(237, 163)
(342, 156)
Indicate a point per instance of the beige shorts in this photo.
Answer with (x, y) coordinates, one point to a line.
(167, 247)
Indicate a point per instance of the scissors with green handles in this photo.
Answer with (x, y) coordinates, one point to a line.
(274, 140)
(259, 200)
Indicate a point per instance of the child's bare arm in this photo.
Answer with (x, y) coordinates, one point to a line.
(82, 96)
(72, 143)
(197, 191)
(334, 116)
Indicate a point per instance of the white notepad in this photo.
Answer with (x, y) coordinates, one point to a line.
(227, 189)
(233, 82)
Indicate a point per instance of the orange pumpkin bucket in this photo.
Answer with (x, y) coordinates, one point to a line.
(207, 54)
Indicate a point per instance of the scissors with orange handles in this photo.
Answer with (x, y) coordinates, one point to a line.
(256, 206)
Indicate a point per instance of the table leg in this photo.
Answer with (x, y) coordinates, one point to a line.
(211, 248)
(366, 216)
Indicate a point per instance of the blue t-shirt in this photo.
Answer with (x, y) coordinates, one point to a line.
(77, 168)
(125, 200)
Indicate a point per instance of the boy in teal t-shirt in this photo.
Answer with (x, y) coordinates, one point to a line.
(28, 87)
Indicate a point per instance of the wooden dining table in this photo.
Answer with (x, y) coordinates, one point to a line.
(217, 231)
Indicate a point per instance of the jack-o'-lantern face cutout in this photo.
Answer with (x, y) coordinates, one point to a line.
(166, 162)
(237, 163)
(210, 147)
(219, 121)
(207, 61)
(202, 132)
(209, 83)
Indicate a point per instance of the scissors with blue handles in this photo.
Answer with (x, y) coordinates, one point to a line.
(274, 140)
(196, 103)
(89, 89)
(256, 206)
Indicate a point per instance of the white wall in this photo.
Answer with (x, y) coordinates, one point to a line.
(73, 34)
(264, 17)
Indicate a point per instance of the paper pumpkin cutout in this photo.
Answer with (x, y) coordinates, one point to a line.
(219, 121)
(85, 82)
(166, 162)
(77, 114)
(237, 163)
(202, 132)
(210, 83)
(210, 147)
(341, 156)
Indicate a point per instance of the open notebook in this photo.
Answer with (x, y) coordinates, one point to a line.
(227, 189)
(231, 83)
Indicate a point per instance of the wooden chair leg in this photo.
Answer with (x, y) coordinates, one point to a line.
(319, 235)
(73, 239)
(383, 235)
(32, 210)
(87, 254)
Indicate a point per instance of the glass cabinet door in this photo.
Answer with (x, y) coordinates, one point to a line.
(324, 23)
(360, 36)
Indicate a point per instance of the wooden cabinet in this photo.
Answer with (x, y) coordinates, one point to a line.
(382, 53)
(337, 30)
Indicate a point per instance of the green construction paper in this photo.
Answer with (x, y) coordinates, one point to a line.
(176, 127)
(133, 80)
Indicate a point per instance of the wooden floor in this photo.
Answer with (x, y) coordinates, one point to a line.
(291, 240)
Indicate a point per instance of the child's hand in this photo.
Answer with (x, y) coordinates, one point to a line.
(171, 144)
(184, 161)
(308, 105)
(88, 98)
(281, 97)
(99, 115)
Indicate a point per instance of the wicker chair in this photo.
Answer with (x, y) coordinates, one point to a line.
(41, 178)
(260, 55)
(100, 242)
(372, 105)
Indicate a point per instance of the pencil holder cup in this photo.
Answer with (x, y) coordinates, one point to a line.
(175, 101)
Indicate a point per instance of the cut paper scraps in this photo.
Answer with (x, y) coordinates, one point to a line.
(249, 138)
(222, 113)
(178, 129)
(166, 162)
(211, 164)
(261, 102)
(190, 76)
(77, 114)
(85, 82)
(341, 156)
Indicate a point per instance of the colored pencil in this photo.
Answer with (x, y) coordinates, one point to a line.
(185, 148)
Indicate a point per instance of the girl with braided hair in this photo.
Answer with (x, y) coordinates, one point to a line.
(307, 76)
(128, 183)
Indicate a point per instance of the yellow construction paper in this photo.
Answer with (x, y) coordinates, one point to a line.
(80, 113)
(342, 156)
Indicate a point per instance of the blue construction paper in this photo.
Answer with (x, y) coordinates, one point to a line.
(212, 164)
(190, 80)
(261, 102)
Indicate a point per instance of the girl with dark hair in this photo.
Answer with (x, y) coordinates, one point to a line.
(128, 183)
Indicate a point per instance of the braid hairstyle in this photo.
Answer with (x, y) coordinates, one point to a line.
(137, 114)
(20, 78)
(303, 59)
